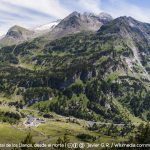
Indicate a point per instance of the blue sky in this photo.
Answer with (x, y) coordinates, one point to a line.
(32, 13)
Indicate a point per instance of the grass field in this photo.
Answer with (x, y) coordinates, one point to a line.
(50, 131)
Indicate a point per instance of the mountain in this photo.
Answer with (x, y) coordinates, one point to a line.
(15, 35)
(104, 17)
(136, 35)
(77, 22)
(74, 23)
(98, 76)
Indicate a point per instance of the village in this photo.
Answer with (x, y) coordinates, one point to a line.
(33, 121)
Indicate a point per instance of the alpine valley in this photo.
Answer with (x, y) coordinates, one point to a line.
(86, 75)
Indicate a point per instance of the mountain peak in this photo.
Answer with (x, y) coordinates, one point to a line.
(77, 22)
(16, 34)
(126, 19)
(75, 13)
(17, 28)
(105, 16)
(89, 14)
(102, 15)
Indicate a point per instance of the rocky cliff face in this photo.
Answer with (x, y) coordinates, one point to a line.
(77, 22)
(136, 36)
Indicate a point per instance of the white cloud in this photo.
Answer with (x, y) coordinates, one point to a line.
(23, 12)
(50, 7)
(125, 8)
(20, 11)
(90, 5)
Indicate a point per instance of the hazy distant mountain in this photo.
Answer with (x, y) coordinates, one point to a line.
(16, 34)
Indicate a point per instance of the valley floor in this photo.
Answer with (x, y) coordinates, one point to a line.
(51, 130)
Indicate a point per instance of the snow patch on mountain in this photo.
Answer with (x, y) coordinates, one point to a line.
(48, 26)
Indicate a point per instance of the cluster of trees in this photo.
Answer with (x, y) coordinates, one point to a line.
(86, 137)
(10, 117)
(76, 106)
(142, 135)
(64, 141)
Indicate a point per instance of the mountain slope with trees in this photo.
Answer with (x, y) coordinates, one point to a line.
(83, 74)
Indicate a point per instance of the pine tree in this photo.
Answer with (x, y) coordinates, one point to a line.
(64, 141)
(143, 134)
(28, 140)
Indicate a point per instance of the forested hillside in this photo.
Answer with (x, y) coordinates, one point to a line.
(88, 75)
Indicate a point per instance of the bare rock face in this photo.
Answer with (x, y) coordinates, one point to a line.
(136, 35)
(77, 22)
(73, 23)
(18, 32)
(105, 17)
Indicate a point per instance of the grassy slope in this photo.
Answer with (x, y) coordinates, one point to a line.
(134, 120)
(49, 133)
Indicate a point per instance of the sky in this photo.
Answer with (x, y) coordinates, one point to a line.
(32, 13)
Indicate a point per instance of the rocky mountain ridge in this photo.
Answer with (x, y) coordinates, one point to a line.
(73, 23)
(77, 22)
